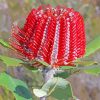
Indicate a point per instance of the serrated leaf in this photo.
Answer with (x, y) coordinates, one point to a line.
(17, 87)
(58, 88)
(93, 70)
(93, 46)
(10, 61)
(5, 44)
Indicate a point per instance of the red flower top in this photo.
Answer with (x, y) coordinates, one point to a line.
(54, 35)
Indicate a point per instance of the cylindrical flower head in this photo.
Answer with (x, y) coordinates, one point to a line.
(54, 35)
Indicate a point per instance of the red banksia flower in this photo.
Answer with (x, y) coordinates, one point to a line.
(54, 35)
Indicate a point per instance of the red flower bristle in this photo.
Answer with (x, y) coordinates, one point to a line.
(54, 35)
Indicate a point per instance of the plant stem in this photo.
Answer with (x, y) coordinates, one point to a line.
(48, 74)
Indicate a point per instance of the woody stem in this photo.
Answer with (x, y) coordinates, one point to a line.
(48, 74)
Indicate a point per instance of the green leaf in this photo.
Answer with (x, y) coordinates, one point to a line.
(86, 63)
(66, 67)
(39, 93)
(64, 74)
(10, 61)
(57, 87)
(93, 46)
(17, 87)
(29, 66)
(62, 90)
(95, 70)
(16, 62)
(5, 44)
(43, 62)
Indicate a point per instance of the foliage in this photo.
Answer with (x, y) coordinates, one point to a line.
(4, 43)
(94, 70)
(57, 87)
(17, 87)
(10, 61)
(93, 46)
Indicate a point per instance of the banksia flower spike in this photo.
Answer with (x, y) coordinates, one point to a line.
(54, 35)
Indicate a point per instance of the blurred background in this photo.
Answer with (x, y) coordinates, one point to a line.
(86, 87)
